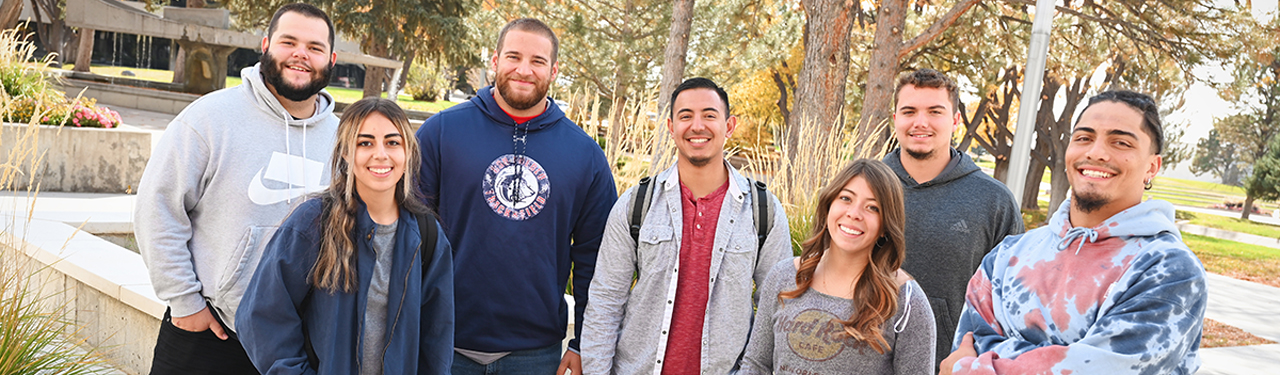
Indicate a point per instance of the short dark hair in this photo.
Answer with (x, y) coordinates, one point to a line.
(1144, 104)
(306, 10)
(929, 78)
(531, 25)
(697, 83)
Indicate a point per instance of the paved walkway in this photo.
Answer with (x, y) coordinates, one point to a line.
(1231, 236)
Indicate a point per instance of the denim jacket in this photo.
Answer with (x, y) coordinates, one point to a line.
(625, 326)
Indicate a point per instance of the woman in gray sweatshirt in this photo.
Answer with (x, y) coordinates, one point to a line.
(844, 306)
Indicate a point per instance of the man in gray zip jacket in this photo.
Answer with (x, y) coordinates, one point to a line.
(224, 175)
(697, 259)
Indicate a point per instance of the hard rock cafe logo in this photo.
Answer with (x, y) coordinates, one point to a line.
(814, 335)
(516, 189)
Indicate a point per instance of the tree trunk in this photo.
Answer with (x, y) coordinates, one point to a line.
(374, 77)
(1031, 194)
(677, 47)
(10, 10)
(819, 101)
(1246, 209)
(784, 86)
(404, 76)
(1060, 137)
(1002, 168)
(882, 73)
(621, 89)
(84, 53)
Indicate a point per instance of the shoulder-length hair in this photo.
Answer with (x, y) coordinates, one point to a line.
(335, 265)
(875, 298)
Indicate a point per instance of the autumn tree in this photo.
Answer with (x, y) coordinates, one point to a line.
(1256, 90)
(1219, 157)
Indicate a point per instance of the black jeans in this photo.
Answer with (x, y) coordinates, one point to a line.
(181, 352)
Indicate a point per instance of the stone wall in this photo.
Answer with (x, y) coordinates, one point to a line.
(104, 288)
(82, 160)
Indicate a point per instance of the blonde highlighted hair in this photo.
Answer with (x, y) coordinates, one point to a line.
(335, 264)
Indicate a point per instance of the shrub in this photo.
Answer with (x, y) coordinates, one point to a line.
(424, 83)
(28, 91)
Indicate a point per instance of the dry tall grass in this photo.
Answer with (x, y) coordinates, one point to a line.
(793, 175)
(38, 334)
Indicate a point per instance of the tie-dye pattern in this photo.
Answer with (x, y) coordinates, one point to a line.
(1125, 297)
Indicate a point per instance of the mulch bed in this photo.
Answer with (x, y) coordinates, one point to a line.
(1218, 335)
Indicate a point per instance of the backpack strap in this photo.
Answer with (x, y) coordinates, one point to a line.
(762, 213)
(644, 195)
(426, 228)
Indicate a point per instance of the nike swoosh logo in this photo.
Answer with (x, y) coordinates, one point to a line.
(301, 175)
(262, 195)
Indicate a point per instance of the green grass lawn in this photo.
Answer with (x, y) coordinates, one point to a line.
(1242, 261)
(340, 94)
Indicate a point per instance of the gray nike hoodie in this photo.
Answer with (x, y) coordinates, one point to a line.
(226, 172)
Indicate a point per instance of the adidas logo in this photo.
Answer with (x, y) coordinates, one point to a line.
(960, 226)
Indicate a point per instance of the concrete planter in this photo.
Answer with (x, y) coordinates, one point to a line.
(80, 160)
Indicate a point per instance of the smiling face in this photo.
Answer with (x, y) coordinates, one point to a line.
(699, 126)
(525, 69)
(853, 221)
(924, 120)
(297, 60)
(1109, 158)
(378, 163)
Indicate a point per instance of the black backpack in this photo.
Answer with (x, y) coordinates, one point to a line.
(644, 195)
(427, 228)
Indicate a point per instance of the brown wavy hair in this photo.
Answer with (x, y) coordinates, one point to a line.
(875, 298)
(335, 264)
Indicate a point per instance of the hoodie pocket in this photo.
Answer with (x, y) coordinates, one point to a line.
(239, 271)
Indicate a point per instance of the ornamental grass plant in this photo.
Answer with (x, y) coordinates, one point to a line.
(794, 176)
(38, 334)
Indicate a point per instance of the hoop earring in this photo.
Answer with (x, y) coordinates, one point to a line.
(881, 241)
(1146, 184)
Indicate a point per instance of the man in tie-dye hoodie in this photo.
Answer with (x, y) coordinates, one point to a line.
(1107, 287)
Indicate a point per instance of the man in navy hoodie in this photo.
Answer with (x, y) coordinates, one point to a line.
(523, 194)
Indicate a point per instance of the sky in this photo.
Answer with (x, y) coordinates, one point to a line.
(1204, 104)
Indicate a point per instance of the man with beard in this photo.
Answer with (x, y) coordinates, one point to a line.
(1107, 287)
(955, 213)
(225, 173)
(694, 240)
(523, 194)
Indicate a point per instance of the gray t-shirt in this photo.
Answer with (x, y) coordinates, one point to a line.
(375, 309)
(803, 335)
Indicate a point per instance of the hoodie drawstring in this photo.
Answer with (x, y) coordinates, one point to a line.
(288, 169)
(1085, 234)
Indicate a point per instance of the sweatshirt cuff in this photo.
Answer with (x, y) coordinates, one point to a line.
(573, 345)
(186, 305)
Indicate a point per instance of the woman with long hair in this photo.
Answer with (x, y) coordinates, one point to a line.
(358, 279)
(844, 306)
